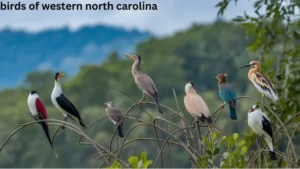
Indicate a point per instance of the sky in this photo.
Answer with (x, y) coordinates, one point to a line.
(172, 16)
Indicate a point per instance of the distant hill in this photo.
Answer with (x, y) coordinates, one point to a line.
(60, 49)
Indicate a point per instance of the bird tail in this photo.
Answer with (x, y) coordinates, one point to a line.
(46, 131)
(232, 113)
(158, 105)
(120, 131)
(208, 119)
(81, 123)
(272, 155)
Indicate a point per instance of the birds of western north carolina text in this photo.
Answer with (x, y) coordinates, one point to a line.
(261, 82)
(38, 112)
(227, 94)
(62, 103)
(261, 125)
(195, 105)
(115, 115)
(144, 82)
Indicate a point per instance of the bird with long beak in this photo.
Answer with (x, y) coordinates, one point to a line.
(144, 82)
(39, 113)
(227, 94)
(62, 103)
(195, 105)
(261, 125)
(114, 114)
(261, 82)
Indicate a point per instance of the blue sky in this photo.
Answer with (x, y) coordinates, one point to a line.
(172, 16)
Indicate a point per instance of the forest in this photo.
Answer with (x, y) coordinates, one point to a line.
(197, 54)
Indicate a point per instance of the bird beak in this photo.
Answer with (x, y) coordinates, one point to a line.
(61, 75)
(130, 56)
(246, 66)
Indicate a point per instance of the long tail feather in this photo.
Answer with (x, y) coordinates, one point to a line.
(232, 113)
(120, 132)
(272, 155)
(81, 123)
(46, 131)
(158, 105)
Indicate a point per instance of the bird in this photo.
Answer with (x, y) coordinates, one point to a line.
(227, 94)
(144, 82)
(114, 114)
(195, 105)
(261, 82)
(261, 125)
(39, 113)
(62, 103)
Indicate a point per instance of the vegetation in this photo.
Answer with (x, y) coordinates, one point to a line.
(197, 54)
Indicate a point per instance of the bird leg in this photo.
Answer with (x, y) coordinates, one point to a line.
(258, 139)
(140, 102)
(223, 104)
(147, 101)
(65, 119)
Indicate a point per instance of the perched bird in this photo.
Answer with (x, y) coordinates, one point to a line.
(62, 103)
(115, 115)
(261, 82)
(144, 82)
(38, 112)
(195, 105)
(227, 94)
(261, 125)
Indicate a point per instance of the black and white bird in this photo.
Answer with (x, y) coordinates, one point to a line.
(39, 113)
(62, 103)
(115, 115)
(261, 125)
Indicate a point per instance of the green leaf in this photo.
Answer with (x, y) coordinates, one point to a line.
(133, 161)
(209, 152)
(241, 143)
(206, 142)
(116, 164)
(216, 150)
(244, 150)
(143, 156)
(215, 135)
(147, 163)
(235, 136)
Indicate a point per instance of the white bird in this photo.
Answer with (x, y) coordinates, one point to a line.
(62, 103)
(195, 105)
(261, 125)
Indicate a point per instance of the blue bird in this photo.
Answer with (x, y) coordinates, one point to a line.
(227, 94)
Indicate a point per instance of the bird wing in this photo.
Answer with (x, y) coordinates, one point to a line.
(114, 114)
(41, 108)
(264, 83)
(145, 83)
(267, 125)
(65, 104)
(195, 105)
(226, 92)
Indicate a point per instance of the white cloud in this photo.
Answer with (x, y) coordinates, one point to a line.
(45, 66)
(172, 16)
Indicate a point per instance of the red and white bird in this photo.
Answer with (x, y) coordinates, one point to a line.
(38, 112)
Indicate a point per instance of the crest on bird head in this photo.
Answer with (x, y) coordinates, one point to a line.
(221, 77)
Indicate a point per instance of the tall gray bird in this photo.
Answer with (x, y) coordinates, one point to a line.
(115, 115)
(144, 82)
(261, 125)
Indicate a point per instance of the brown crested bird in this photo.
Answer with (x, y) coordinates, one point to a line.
(115, 115)
(144, 82)
(261, 82)
(195, 105)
